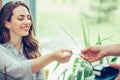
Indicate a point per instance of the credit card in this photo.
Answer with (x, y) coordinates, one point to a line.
(76, 51)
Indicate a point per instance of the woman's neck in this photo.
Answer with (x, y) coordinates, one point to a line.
(16, 42)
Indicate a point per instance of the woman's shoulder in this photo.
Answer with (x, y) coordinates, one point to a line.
(3, 48)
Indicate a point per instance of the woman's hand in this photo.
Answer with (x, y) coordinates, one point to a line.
(62, 55)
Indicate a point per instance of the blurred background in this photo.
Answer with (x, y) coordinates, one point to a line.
(99, 16)
(58, 24)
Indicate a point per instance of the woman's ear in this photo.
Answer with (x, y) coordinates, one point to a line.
(7, 24)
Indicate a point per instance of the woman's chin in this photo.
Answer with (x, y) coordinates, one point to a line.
(25, 34)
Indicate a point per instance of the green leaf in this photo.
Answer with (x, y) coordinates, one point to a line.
(79, 74)
(114, 59)
(87, 71)
(72, 76)
(63, 73)
(86, 40)
(107, 59)
(99, 40)
(57, 65)
(71, 37)
(101, 61)
(108, 38)
(75, 64)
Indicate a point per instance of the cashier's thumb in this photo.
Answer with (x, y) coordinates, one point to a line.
(114, 65)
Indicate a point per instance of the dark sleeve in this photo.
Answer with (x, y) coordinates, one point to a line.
(7, 77)
(41, 75)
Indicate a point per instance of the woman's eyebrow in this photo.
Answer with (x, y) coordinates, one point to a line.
(23, 15)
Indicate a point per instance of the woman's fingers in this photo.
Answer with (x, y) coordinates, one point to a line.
(66, 50)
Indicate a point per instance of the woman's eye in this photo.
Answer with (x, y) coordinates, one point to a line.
(20, 19)
(29, 18)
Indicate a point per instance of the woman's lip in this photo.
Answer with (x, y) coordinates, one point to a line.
(25, 28)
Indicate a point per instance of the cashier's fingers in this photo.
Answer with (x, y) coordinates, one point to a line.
(118, 77)
(89, 59)
(114, 65)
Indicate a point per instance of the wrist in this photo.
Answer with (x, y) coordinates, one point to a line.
(52, 56)
(105, 50)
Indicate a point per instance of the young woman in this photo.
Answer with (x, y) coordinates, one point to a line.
(19, 50)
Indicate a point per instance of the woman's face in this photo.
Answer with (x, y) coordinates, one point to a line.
(20, 22)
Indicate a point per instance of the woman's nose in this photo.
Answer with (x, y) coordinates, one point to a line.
(27, 21)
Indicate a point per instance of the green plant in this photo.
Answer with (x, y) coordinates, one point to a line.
(81, 69)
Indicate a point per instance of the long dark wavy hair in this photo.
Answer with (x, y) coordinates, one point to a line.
(30, 44)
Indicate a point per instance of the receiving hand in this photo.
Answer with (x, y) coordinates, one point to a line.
(93, 53)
